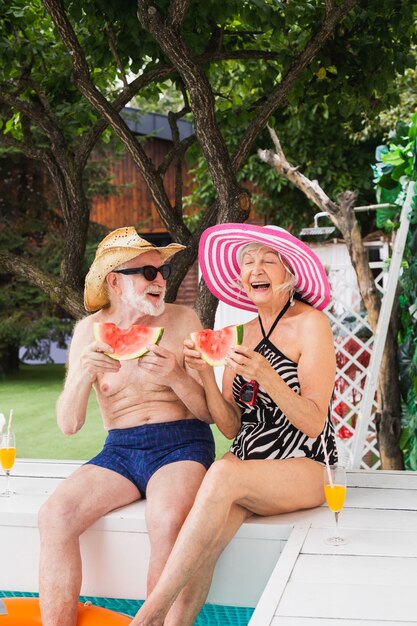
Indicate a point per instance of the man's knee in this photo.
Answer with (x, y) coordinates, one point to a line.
(165, 525)
(57, 514)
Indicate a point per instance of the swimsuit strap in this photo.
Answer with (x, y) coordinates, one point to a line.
(278, 317)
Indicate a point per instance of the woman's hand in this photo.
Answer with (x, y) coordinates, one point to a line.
(247, 362)
(193, 359)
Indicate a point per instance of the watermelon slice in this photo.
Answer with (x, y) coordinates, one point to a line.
(130, 343)
(213, 345)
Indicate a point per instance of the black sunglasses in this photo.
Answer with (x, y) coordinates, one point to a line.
(150, 272)
(249, 392)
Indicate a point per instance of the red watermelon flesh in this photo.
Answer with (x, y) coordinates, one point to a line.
(214, 345)
(129, 343)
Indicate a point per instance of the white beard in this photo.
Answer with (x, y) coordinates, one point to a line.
(139, 301)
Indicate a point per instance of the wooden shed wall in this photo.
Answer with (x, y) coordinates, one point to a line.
(133, 206)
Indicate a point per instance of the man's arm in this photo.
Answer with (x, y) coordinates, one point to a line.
(86, 360)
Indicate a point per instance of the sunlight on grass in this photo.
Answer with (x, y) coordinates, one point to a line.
(32, 394)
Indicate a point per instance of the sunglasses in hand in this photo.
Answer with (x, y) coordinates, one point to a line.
(249, 392)
(150, 272)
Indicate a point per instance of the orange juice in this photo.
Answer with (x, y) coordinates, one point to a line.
(335, 497)
(7, 457)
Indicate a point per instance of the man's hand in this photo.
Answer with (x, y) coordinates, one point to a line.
(162, 364)
(93, 360)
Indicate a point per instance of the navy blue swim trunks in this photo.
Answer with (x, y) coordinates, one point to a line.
(137, 453)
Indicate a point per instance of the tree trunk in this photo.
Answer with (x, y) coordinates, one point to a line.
(181, 263)
(9, 359)
(389, 421)
(67, 179)
(206, 306)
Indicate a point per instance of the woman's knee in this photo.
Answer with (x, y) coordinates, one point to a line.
(220, 481)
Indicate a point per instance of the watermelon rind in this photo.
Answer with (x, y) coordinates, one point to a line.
(152, 338)
(236, 341)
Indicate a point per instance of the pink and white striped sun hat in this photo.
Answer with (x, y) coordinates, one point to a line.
(218, 257)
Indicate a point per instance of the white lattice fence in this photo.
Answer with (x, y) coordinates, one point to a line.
(353, 342)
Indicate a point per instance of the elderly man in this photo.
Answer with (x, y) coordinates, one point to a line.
(159, 443)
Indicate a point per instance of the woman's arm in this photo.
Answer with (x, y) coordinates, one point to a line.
(169, 366)
(222, 407)
(307, 411)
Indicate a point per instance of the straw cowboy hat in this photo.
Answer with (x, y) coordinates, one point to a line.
(117, 247)
(218, 257)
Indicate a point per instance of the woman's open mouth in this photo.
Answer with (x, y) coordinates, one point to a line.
(260, 286)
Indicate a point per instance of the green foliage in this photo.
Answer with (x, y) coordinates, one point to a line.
(28, 227)
(395, 167)
(320, 126)
(40, 69)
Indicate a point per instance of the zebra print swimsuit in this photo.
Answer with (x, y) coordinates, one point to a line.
(266, 433)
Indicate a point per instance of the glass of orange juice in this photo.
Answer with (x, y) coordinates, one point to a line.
(7, 458)
(335, 492)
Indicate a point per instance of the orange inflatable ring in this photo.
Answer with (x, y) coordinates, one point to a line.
(26, 612)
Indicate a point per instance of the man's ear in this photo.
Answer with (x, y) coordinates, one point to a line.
(113, 282)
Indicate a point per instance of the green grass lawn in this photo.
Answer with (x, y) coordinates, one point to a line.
(32, 394)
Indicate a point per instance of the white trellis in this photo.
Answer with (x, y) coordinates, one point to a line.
(359, 354)
(354, 343)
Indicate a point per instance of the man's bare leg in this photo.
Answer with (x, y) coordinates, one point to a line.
(77, 503)
(263, 487)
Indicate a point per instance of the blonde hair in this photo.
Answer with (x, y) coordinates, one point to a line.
(287, 285)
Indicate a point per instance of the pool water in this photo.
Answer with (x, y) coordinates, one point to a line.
(210, 614)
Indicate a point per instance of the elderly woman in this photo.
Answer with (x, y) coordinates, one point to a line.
(275, 401)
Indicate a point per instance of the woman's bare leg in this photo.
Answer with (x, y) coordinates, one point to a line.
(189, 602)
(263, 487)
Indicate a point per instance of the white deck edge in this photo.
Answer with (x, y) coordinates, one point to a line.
(268, 602)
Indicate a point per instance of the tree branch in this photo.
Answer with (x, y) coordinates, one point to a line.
(89, 140)
(329, 5)
(84, 83)
(202, 102)
(30, 151)
(311, 189)
(112, 44)
(176, 152)
(278, 96)
(41, 116)
(177, 11)
(341, 214)
(67, 298)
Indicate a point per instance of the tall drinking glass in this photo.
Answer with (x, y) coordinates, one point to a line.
(7, 458)
(335, 492)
